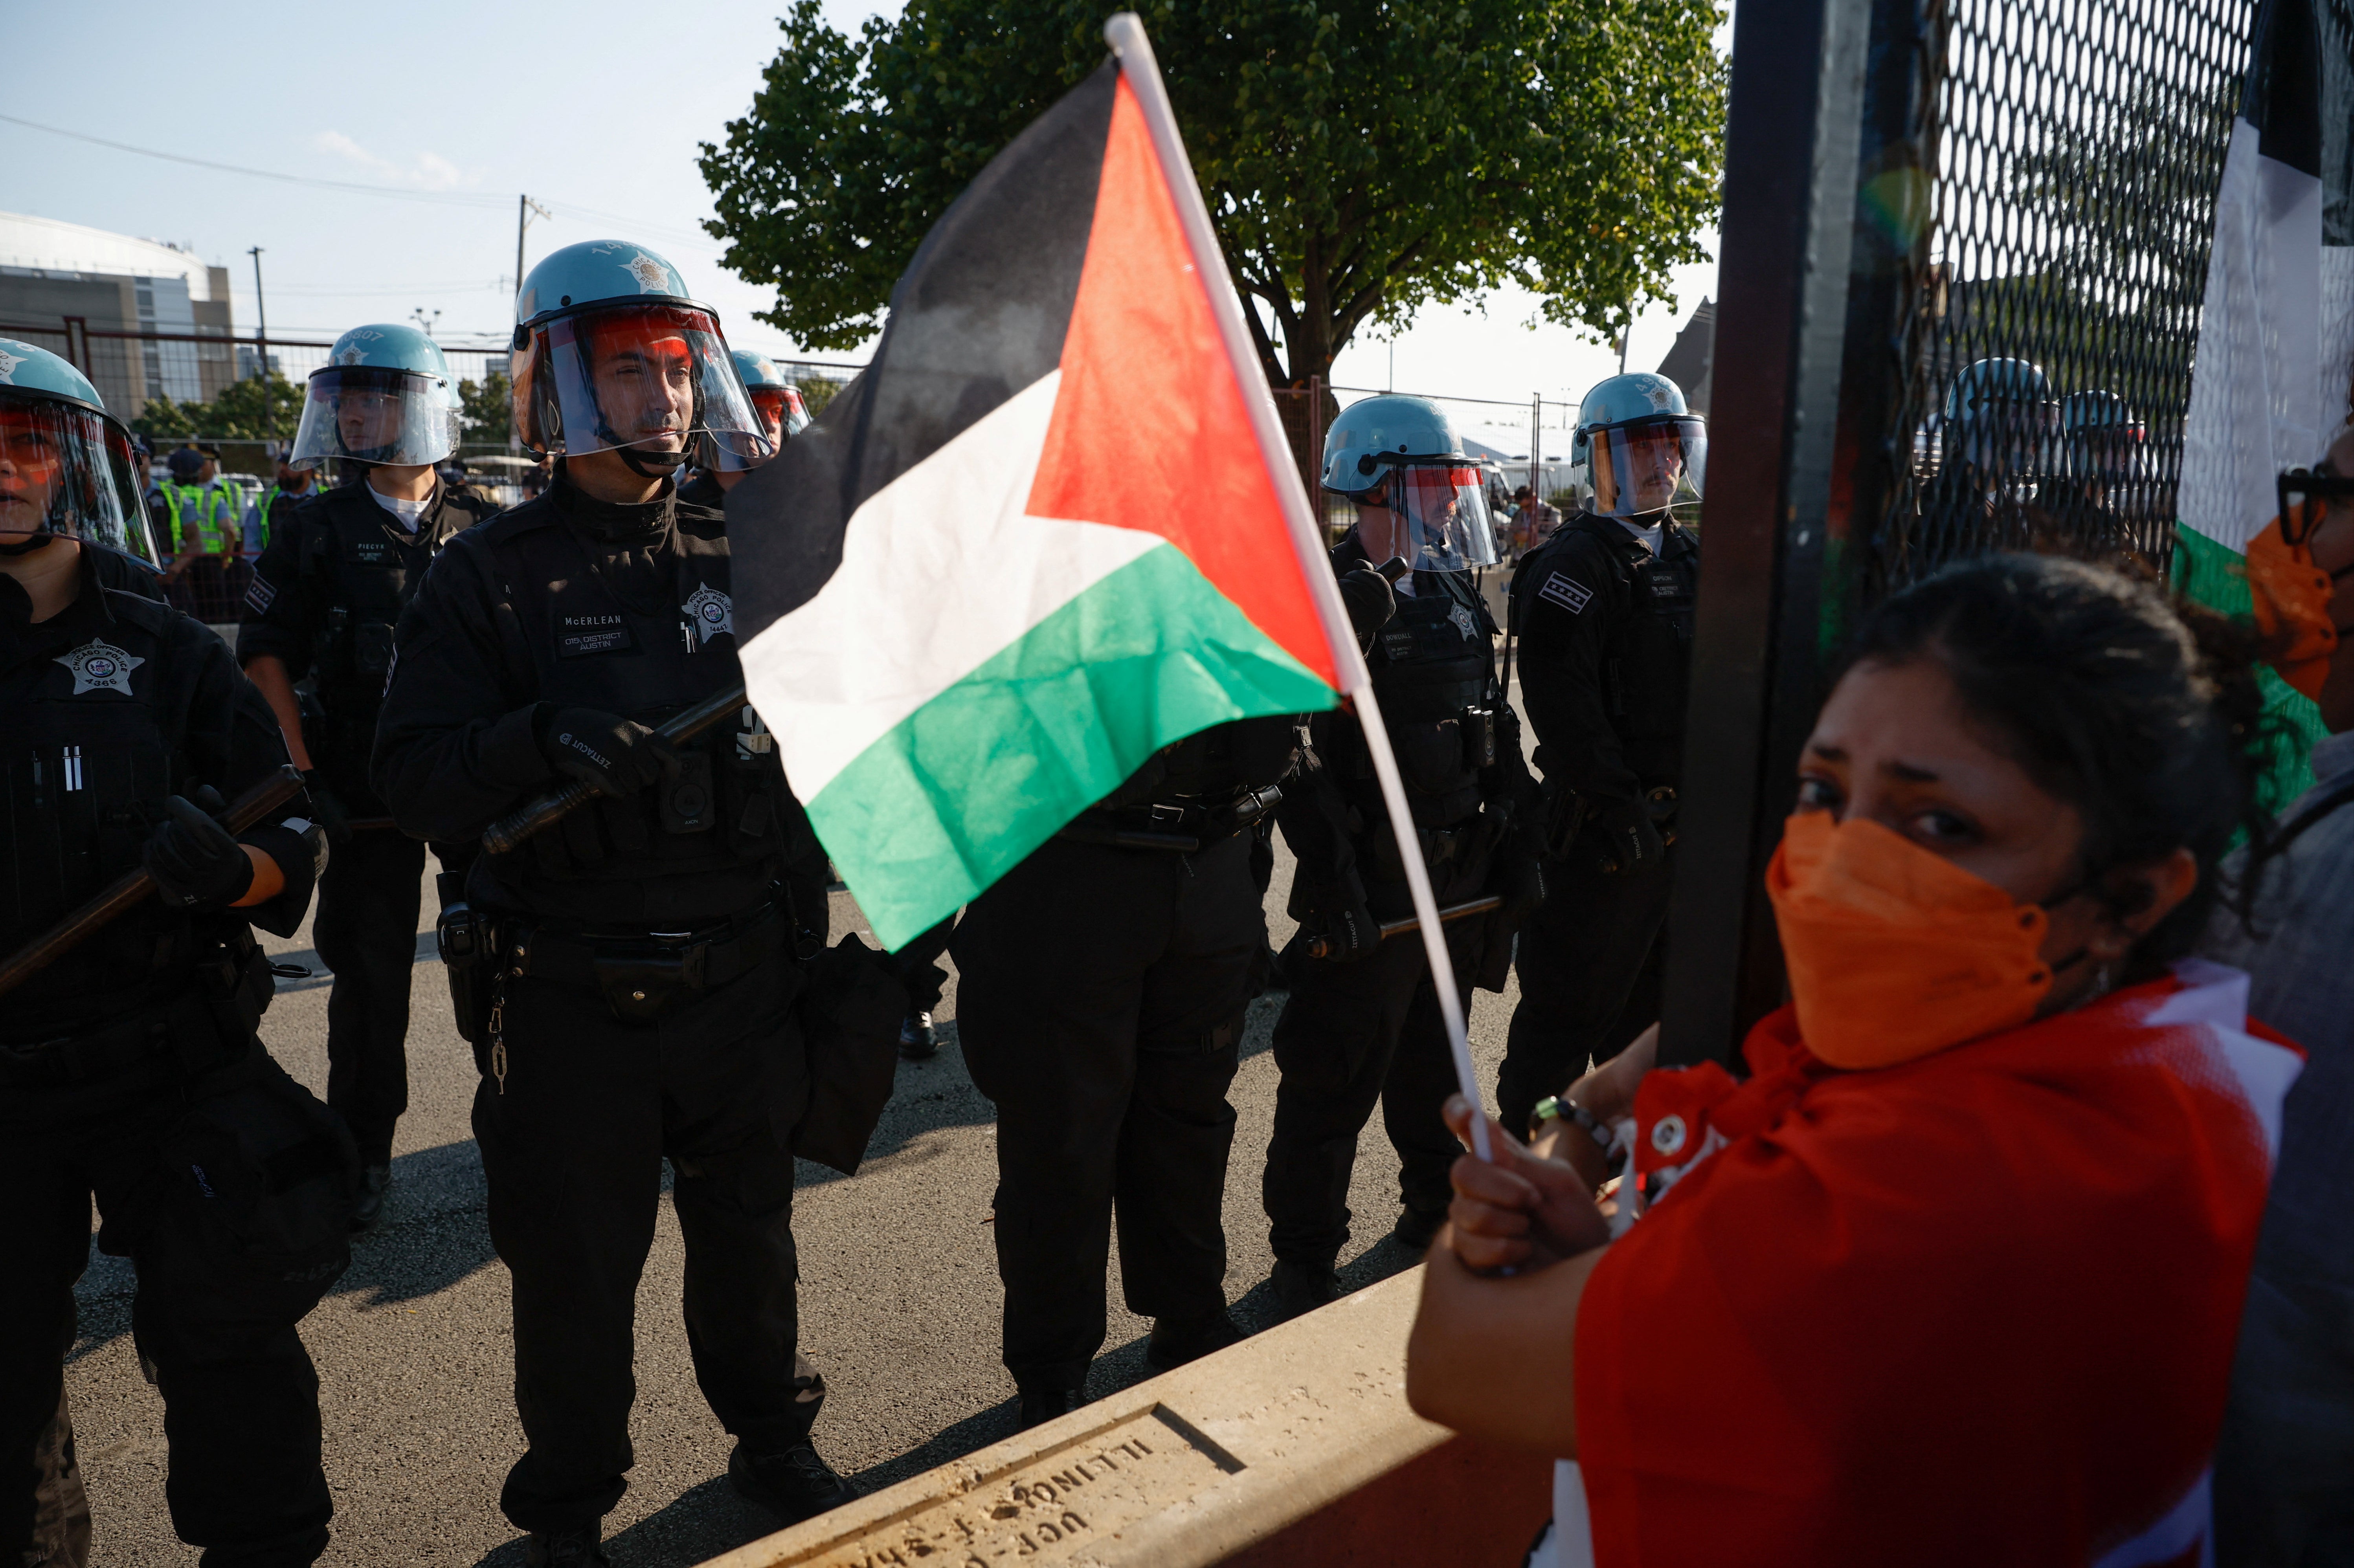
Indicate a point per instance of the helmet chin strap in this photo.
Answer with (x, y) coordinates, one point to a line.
(30, 543)
(652, 465)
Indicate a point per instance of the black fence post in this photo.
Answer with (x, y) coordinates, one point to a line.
(1791, 149)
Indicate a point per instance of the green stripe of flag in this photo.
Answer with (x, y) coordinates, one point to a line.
(2216, 576)
(986, 771)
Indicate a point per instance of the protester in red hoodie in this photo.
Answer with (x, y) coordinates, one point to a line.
(1953, 1275)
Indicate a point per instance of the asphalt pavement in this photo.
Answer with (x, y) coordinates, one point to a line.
(900, 1307)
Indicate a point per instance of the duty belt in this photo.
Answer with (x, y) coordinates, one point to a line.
(639, 973)
(1180, 826)
(171, 1033)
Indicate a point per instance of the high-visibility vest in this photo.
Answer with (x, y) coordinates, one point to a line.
(269, 499)
(205, 511)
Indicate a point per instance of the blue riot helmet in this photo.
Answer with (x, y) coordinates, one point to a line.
(1418, 493)
(1641, 446)
(66, 464)
(2103, 438)
(611, 355)
(2001, 418)
(385, 395)
(777, 401)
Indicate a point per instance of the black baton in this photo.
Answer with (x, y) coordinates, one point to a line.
(516, 826)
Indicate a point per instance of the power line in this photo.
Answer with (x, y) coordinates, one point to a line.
(448, 198)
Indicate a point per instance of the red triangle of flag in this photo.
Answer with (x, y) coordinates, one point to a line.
(1150, 430)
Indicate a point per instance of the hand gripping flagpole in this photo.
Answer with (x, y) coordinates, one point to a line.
(1125, 34)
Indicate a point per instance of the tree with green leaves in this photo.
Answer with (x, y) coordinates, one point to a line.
(247, 411)
(486, 409)
(1360, 159)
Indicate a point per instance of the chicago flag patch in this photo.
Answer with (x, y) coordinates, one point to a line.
(1565, 591)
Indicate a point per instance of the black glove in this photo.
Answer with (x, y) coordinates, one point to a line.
(196, 861)
(1518, 878)
(1370, 600)
(1336, 910)
(619, 756)
(326, 810)
(1625, 837)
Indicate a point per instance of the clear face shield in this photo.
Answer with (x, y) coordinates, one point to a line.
(2110, 454)
(375, 414)
(1433, 514)
(782, 416)
(654, 378)
(68, 471)
(2010, 440)
(1639, 469)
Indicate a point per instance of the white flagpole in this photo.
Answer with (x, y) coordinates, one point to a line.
(1125, 34)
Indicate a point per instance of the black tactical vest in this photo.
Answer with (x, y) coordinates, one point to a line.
(370, 571)
(1214, 766)
(643, 635)
(1647, 656)
(88, 750)
(1433, 674)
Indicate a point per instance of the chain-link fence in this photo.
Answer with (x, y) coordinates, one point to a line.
(2065, 155)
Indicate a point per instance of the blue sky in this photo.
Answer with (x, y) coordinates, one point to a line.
(594, 108)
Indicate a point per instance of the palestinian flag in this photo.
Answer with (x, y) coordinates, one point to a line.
(1039, 537)
(2271, 384)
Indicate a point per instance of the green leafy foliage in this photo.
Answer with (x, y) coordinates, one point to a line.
(1360, 158)
(246, 411)
(817, 391)
(486, 408)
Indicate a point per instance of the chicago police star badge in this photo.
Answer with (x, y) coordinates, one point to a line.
(99, 667)
(711, 613)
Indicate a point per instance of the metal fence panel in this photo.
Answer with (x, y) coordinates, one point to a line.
(1965, 255)
(2044, 318)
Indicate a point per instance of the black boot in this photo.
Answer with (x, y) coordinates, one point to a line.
(1040, 1405)
(917, 1040)
(566, 1549)
(794, 1485)
(1176, 1341)
(369, 1209)
(1415, 1230)
(1301, 1288)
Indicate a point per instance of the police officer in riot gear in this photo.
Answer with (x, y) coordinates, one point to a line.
(2102, 489)
(1998, 442)
(782, 416)
(129, 1067)
(1602, 614)
(325, 596)
(1363, 1022)
(636, 1003)
(1103, 985)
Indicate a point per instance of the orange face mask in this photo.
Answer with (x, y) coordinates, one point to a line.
(1895, 953)
(2291, 597)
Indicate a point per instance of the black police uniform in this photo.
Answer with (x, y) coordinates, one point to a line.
(130, 1069)
(643, 979)
(1604, 633)
(1352, 1033)
(1102, 985)
(114, 570)
(325, 596)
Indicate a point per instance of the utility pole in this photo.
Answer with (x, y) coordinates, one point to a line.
(261, 340)
(424, 322)
(1536, 453)
(1624, 333)
(525, 208)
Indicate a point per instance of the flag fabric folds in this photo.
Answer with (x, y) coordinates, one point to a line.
(2273, 377)
(1035, 541)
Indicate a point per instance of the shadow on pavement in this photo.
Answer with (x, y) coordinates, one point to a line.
(434, 1234)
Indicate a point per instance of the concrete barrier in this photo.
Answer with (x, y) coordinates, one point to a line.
(1295, 1446)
